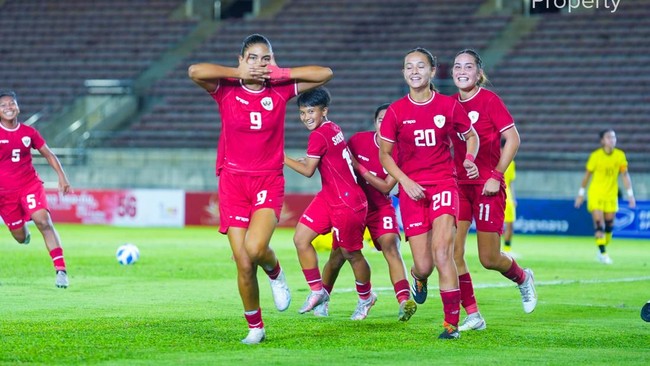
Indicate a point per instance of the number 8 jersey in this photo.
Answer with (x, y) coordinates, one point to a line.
(16, 169)
(252, 126)
(422, 135)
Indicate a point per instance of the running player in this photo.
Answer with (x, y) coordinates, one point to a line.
(484, 199)
(340, 206)
(22, 195)
(605, 164)
(252, 100)
(420, 126)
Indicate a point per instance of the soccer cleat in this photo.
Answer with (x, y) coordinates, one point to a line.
(528, 293)
(645, 312)
(604, 258)
(255, 336)
(281, 293)
(322, 309)
(450, 332)
(406, 310)
(314, 299)
(419, 290)
(473, 321)
(363, 307)
(61, 279)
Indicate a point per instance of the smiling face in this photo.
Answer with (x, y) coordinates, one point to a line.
(466, 73)
(418, 70)
(312, 117)
(8, 108)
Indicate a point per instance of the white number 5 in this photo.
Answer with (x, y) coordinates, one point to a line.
(31, 201)
(15, 155)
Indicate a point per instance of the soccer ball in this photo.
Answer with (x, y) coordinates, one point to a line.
(127, 254)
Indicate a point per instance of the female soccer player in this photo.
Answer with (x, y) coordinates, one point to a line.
(484, 199)
(22, 195)
(421, 125)
(252, 99)
(605, 164)
(381, 220)
(339, 207)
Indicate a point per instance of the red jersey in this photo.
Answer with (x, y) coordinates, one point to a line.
(490, 118)
(252, 126)
(339, 183)
(16, 168)
(364, 148)
(422, 134)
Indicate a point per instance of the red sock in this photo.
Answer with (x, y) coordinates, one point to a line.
(467, 298)
(328, 288)
(451, 305)
(314, 280)
(364, 290)
(254, 318)
(275, 272)
(515, 273)
(402, 290)
(57, 259)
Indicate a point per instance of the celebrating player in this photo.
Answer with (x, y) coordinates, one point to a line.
(483, 199)
(605, 164)
(252, 99)
(22, 195)
(340, 206)
(421, 125)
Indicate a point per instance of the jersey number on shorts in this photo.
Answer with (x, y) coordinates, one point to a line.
(31, 201)
(441, 199)
(261, 197)
(484, 211)
(256, 121)
(388, 222)
(425, 137)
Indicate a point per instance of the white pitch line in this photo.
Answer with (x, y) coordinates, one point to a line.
(510, 284)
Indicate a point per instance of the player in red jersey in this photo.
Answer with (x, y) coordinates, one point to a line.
(22, 195)
(484, 199)
(420, 125)
(381, 220)
(340, 206)
(252, 99)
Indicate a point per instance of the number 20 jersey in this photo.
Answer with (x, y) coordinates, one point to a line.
(422, 134)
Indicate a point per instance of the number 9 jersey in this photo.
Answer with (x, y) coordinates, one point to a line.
(252, 126)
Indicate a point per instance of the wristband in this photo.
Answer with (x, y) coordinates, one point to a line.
(497, 175)
(470, 157)
(630, 193)
(581, 192)
(362, 169)
(278, 73)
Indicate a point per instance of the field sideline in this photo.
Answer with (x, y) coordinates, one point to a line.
(179, 305)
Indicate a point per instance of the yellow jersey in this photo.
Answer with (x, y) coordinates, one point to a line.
(605, 169)
(508, 176)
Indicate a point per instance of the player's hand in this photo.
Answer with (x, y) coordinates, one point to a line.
(64, 186)
(578, 201)
(632, 202)
(471, 169)
(413, 189)
(491, 187)
(251, 72)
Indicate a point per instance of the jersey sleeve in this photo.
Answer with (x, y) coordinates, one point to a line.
(623, 162)
(388, 128)
(286, 89)
(316, 145)
(499, 114)
(37, 140)
(592, 162)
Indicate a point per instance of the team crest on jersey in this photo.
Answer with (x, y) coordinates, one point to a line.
(473, 116)
(27, 141)
(267, 103)
(439, 120)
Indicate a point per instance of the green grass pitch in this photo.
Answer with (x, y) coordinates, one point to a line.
(179, 305)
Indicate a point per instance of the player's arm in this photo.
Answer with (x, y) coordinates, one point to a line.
(307, 77)
(412, 188)
(472, 142)
(382, 185)
(581, 192)
(305, 166)
(64, 184)
(512, 141)
(627, 183)
(207, 75)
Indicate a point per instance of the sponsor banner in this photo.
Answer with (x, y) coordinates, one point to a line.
(137, 207)
(202, 208)
(633, 222)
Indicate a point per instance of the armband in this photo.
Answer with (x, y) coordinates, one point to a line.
(497, 175)
(278, 73)
(469, 157)
(630, 192)
(581, 192)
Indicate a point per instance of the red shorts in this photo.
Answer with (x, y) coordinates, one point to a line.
(487, 211)
(346, 224)
(241, 195)
(17, 207)
(381, 221)
(418, 216)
